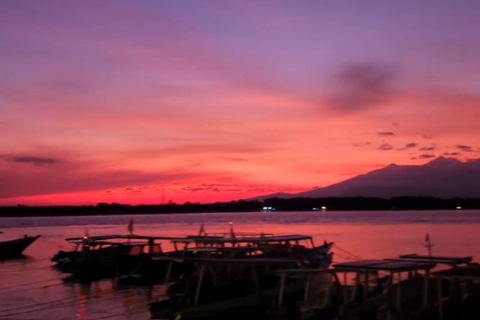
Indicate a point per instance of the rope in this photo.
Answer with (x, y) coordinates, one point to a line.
(348, 252)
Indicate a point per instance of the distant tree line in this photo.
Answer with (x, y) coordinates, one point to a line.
(278, 204)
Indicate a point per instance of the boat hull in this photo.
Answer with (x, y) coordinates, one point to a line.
(15, 248)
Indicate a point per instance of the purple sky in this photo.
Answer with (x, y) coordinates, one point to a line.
(219, 100)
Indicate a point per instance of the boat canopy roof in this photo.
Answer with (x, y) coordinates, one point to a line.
(197, 239)
(293, 237)
(384, 265)
(228, 249)
(305, 271)
(119, 237)
(252, 261)
(92, 243)
(258, 239)
(437, 259)
(471, 271)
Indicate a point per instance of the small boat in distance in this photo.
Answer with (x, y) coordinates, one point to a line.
(14, 248)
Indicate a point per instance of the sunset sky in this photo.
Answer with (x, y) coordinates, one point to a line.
(202, 101)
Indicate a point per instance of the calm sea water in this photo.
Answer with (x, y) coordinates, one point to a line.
(31, 289)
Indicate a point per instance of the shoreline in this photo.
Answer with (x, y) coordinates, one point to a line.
(278, 205)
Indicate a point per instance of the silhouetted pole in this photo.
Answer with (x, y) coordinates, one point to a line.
(428, 244)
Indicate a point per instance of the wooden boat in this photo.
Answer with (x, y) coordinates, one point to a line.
(230, 245)
(319, 298)
(160, 267)
(135, 258)
(106, 256)
(301, 247)
(224, 288)
(15, 248)
(458, 292)
(357, 290)
(403, 292)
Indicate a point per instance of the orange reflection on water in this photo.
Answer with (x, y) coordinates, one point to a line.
(82, 312)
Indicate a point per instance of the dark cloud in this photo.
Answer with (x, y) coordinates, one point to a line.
(408, 146)
(426, 156)
(464, 148)
(361, 144)
(426, 136)
(427, 148)
(363, 85)
(396, 124)
(452, 154)
(388, 133)
(213, 187)
(38, 161)
(385, 147)
(133, 190)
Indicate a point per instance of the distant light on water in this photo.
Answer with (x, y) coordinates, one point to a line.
(459, 208)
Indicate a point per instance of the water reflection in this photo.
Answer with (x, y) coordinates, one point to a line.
(82, 307)
(31, 288)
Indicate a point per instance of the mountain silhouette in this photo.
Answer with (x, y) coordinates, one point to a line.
(442, 178)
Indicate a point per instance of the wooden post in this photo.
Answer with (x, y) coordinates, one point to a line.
(440, 298)
(355, 286)
(425, 288)
(399, 292)
(366, 286)
(282, 288)
(255, 278)
(199, 286)
(150, 247)
(453, 288)
(169, 272)
(307, 287)
(327, 293)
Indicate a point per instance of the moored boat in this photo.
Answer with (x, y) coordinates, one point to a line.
(99, 257)
(15, 248)
(224, 288)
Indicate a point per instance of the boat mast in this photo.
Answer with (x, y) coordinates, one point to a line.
(428, 245)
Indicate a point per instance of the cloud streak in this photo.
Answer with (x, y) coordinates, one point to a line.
(385, 147)
(464, 148)
(37, 161)
(426, 156)
(388, 133)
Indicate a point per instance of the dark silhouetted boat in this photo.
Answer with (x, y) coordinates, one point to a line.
(14, 248)
(225, 289)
